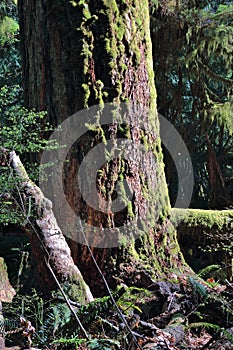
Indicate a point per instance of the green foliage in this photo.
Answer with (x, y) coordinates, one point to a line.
(211, 326)
(47, 317)
(93, 344)
(209, 59)
(198, 287)
(92, 310)
(221, 241)
(21, 131)
(55, 317)
(8, 184)
(54, 324)
(207, 270)
(8, 28)
(133, 295)
(10, 63)
(8, 7)
(192, 45)
(31, 307)
(210, 296)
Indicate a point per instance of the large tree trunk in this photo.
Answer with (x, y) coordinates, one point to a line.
(80, 54)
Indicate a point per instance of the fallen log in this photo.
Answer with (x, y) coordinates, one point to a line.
(48, 244)
(206, 237)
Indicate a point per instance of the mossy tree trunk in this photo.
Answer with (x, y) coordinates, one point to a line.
(77, 54)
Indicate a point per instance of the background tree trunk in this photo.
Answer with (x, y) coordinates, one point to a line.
(219, 197)
(80, 54)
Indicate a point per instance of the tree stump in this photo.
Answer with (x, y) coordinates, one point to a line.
(6, 290)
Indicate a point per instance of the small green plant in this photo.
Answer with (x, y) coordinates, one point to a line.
(203, 273)
(133, 295)
(20, 128)
(10, 60)
(198, 287)
(20, 131)
(8, 29)
(47, 317)
(93, 344)
(210, 326)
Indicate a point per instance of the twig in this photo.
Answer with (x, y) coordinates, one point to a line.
(67, 300)
(57, 282)
(109, 291)
(171, 300)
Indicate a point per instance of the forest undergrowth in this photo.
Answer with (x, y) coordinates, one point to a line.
(184, 313)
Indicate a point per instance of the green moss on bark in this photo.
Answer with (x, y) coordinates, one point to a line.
(105, 55)
(205, 237)
(208, 219)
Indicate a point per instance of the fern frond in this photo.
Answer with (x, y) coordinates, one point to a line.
(198, 288)
(206, 270)
(204, 325)
(215, 327)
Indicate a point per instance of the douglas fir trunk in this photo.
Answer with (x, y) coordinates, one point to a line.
(77, 54)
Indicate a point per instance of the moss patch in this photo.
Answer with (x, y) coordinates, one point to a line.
(205, 237)
(205, 218)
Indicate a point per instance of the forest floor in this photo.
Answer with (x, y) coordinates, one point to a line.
(184, 313)
(188, 314)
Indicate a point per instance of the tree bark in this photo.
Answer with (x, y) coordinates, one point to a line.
(6, 294)
(219, 196)
(80, 54)
(47, 242)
